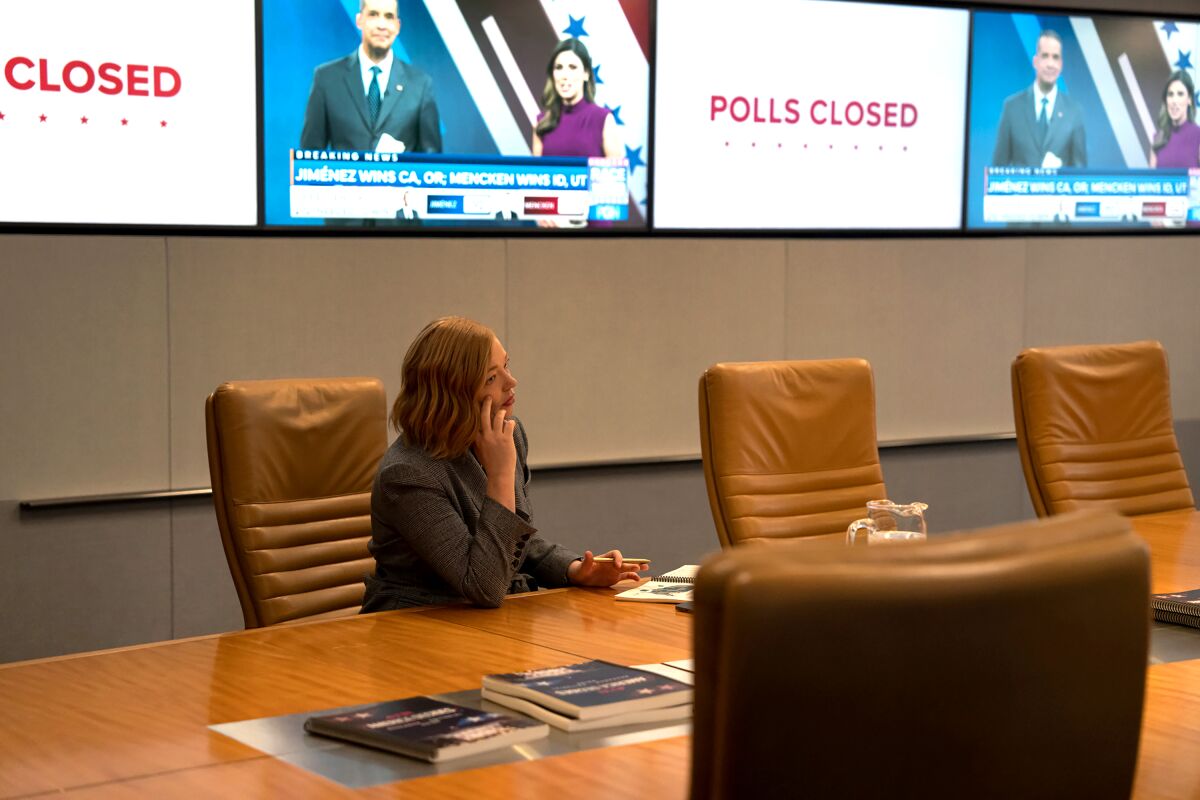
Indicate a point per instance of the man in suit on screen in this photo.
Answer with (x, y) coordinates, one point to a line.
(1040, 126)
(370, 99)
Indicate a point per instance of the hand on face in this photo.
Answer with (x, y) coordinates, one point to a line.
(590, 572)
(496, 397)
(494, 446)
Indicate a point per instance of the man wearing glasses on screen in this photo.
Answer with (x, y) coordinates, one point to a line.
(1041, 126)
(370, 100)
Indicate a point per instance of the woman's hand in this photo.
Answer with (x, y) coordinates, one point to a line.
(497, 454)
(590, 572)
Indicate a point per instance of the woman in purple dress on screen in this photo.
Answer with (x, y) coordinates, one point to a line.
(1177, 144)
(572, 124)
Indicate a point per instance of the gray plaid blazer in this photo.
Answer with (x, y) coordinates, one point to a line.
(438, 538)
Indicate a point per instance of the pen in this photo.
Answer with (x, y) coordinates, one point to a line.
(606, 559)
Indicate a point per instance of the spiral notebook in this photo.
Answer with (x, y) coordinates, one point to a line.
(675, 586)
(1178, 608)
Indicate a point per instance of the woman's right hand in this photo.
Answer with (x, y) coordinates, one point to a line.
(497, 453)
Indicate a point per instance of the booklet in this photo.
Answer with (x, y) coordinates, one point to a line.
(1179, 608)
(591, 689)
(563, 722)
(424, 728)
(675, 586)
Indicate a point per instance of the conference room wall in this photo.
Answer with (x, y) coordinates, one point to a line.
(110, 344)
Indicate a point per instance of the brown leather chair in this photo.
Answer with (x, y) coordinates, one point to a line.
(292, 463)
(788, 447)
(1094, 428)
(1005, 663)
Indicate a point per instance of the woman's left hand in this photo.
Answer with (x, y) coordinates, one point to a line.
(590, 572)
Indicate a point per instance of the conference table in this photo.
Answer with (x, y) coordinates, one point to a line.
(134, 722)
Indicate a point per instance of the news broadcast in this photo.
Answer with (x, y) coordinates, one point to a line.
(456, 113)
(1083, 121)
(816, 115)
(104, 119)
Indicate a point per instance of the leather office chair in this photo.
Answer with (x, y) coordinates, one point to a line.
(1005, 663)
(1094, 428)
(788, 447)
(292, 462)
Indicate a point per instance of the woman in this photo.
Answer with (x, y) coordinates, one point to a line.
(572, 124)
(450, 516)
(1177, 144)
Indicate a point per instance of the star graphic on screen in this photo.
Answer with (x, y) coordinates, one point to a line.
(616, 112)
(163, 123)
(596, 74)
(576, 27)
(42, 117)
(1185, 60)
(124, 121)
(83, 120)
(1169, 28)
(1, 115)
(634, 155)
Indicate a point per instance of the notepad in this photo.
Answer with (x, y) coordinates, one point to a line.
(675, 586)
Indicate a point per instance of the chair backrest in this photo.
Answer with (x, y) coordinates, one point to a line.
(1005, 663)
(788, 447)
(1094, 428)
(292, 462)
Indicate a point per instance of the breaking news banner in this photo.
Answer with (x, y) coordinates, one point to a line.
(479, 189)
(1083, 121)
(475, 113)
(104, 120)
(1167, 197)
(816, 115)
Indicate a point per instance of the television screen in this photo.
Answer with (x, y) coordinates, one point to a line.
(133, 112)
(1083, 121)
(808, 115)
(475, 113)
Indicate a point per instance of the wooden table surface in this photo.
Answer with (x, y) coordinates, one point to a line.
(1174, 539)
(133, 722)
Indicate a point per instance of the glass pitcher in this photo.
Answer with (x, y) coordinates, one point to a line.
(888, 522)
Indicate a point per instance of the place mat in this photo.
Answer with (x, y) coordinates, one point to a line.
(357, 767)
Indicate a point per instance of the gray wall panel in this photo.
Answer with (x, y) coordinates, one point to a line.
(83, 365)
(1090, 291)
(610, 338)
(939, 320)
(83, 579)
(273, 308)
(204, 598)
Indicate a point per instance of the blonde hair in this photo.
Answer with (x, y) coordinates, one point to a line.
(443, 369)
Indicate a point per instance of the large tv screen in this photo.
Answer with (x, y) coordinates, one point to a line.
(133, 112)
(476, 113)
(809, 115)
(1083, 121)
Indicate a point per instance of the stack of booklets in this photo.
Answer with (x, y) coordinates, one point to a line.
(590, 695)
(1180, 608)
(675, 586)
(428, 729)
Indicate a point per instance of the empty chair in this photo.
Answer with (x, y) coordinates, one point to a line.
(788, 447)
(1094, 428)
(1004, 663)
(292, 463)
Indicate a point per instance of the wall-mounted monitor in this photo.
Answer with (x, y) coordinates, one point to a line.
(137, 112)
(442, 114)
(1083, 121)
(808, 115)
